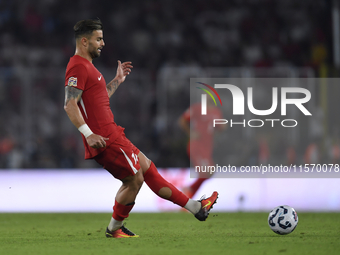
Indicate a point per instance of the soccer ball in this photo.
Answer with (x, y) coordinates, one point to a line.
(283, 219)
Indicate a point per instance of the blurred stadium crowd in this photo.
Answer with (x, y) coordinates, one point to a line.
(37, 40)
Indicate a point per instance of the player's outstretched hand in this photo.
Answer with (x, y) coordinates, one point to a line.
(123, 70)
(96, 141)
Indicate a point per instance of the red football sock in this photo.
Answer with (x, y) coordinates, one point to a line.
(155, 181)
(196, 185)
(120, 212)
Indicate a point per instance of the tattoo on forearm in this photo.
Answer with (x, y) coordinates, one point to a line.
(112, 87)
(72, 93)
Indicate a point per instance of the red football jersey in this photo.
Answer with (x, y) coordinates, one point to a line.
(94, 104)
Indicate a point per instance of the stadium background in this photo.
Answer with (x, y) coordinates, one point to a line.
(168, 43)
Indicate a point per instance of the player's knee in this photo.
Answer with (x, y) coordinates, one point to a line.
(137, 181)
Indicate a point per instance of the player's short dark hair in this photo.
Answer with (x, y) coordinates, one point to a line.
(86, 27)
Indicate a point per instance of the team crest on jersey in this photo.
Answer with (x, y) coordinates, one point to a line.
(72, 81)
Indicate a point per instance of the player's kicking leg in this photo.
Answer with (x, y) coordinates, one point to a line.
(167, 191)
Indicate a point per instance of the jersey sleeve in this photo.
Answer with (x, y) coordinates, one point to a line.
(76, 76)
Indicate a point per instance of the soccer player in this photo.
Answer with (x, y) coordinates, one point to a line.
(200, 145)
(87, 106)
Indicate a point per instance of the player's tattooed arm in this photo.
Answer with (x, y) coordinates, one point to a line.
(72, 93)
(112, 86)
(72, 97)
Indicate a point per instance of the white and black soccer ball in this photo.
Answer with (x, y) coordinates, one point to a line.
(283, 219)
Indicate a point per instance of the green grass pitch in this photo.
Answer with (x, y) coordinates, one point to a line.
(166, 233)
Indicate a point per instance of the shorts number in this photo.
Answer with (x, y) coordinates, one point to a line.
(135, 157)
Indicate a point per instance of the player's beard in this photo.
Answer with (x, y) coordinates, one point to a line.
(94, 52)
